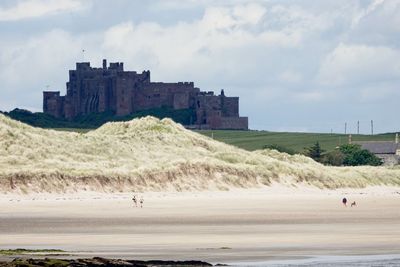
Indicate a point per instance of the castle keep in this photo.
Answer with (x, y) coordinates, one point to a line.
(110, 88)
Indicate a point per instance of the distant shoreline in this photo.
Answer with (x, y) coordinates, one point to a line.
(98, 261)
(311, 260)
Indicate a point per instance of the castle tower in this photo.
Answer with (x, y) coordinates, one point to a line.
(110, 88)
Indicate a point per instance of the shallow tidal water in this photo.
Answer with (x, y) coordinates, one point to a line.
(330, 261)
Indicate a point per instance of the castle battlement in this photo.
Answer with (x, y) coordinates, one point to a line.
(110, 88)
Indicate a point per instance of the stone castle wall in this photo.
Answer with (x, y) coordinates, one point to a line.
(93, 90)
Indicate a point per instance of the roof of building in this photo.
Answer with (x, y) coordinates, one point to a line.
(380, 147)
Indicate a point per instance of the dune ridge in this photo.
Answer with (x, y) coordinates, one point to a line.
(149, 154)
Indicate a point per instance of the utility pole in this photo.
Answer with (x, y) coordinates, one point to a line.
(358, 127)
(345, 128)
(372, 127)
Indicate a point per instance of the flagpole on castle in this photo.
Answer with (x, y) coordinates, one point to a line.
(83, 55)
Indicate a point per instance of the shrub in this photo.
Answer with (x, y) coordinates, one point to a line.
(315, 152)
(354, 155)
(333, 158)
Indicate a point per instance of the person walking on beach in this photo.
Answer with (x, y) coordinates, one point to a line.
(344, 201)
(134, 200)
(141, 202)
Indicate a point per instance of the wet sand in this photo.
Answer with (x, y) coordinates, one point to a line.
(217, 227)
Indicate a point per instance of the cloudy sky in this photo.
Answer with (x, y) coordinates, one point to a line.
(296, 65)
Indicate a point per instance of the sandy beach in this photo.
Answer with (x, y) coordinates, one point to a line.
(252, 225)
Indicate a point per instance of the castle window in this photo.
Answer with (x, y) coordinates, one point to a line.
(198, 103)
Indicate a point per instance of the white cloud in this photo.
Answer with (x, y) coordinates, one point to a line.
(365, 12)
(270, 53)
(351, 64)
(225, 42)
(379, 24)
(37, 57)
(249, 14)
(38, 8)
(168, 5)
(290, 76)
(308, 96)
(228, 47)
(379, 92)
(30, 66)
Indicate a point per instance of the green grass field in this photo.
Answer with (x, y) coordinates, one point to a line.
(253, 140)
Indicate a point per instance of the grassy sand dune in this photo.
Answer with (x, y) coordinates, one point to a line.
(149, 154)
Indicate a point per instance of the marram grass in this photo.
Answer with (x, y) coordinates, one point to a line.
(154, 155)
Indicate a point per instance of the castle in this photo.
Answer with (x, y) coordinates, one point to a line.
(110, 88)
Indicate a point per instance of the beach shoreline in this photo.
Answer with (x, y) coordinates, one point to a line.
(239, 225)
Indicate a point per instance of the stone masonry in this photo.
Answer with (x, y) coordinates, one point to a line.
(110, 88)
